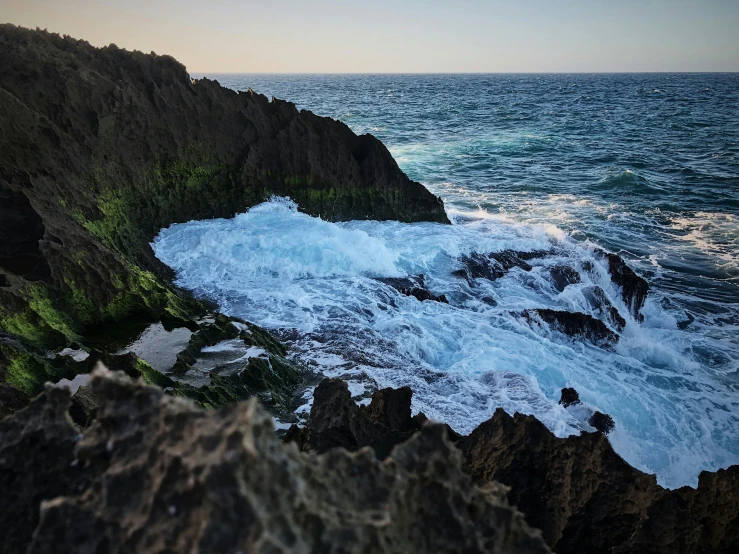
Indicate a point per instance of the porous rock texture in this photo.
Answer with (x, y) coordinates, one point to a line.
(154, 473)
(577, 490)
(101, 148)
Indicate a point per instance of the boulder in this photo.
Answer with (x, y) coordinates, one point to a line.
(413, 286)
(569, 397)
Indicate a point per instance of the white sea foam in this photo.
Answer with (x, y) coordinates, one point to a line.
(287, 271)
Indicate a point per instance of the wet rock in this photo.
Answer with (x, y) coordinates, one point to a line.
(603, 308)
(602, 422)
(496, 264)
(413, 286)
(166, 476)
(83, 406)
(563, 275)
(569, 397)
(574, 324)
(634, 289)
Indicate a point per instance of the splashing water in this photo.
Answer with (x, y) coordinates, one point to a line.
(672, 392)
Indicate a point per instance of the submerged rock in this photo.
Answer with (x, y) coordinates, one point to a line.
(162, 475)
(413, 286)
(574, 324)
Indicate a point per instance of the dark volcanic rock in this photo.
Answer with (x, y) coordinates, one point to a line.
(569, 397)
(11, 400)
(574, 324)
(36, 463)
(164, 476)
(563, 275)
(83, 406)
(496, 264)
(585, 498)
(583, 495)
(101, 148)
(337, 421)
(634, 289)
(602, 422)
(603, 308)
(413, 286)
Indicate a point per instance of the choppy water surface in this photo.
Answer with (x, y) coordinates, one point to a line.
(643, 165)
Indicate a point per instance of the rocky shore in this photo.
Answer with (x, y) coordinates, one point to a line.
(170, 448)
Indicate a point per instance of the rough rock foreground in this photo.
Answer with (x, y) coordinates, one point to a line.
(101, 148)
(154, 473)
(582, 495)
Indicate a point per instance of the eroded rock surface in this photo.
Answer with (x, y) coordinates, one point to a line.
(153, 473)
(634, 289)
(577, 490)
(573, 324)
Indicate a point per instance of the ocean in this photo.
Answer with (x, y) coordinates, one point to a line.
(644, 165)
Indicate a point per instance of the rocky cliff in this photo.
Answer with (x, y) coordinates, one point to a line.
(100, 148)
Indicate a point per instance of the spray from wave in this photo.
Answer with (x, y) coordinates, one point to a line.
(317, 284)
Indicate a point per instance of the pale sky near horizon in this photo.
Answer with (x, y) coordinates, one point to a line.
(317, 36)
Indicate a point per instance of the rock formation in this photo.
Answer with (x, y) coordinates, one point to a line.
(577, 490)
(101, 148)
(154, 473)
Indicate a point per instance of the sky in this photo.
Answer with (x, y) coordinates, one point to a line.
(398, 36)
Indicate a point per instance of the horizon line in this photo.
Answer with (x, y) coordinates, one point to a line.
(732, 72)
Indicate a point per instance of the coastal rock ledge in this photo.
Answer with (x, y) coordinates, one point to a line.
(154, 473)
(101, 148)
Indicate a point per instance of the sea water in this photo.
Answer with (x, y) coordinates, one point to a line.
(643, 165)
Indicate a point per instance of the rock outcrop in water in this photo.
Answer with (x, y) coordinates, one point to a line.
(155, 474)
(101, 148)
(577, 490)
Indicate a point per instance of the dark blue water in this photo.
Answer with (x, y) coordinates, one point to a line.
(646, 165)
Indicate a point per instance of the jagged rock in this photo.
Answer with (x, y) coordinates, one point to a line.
(101, 148)
(569, 397)
(574, 324)
(603, 308)
(163, 475)
(634, 289)
(563, 275)
(83, 406)
(11, 400)
(413, 286)
(582, 495)
(585, 498)
(337, 421)
(602, 422)
(496, 264)
(36, 463)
